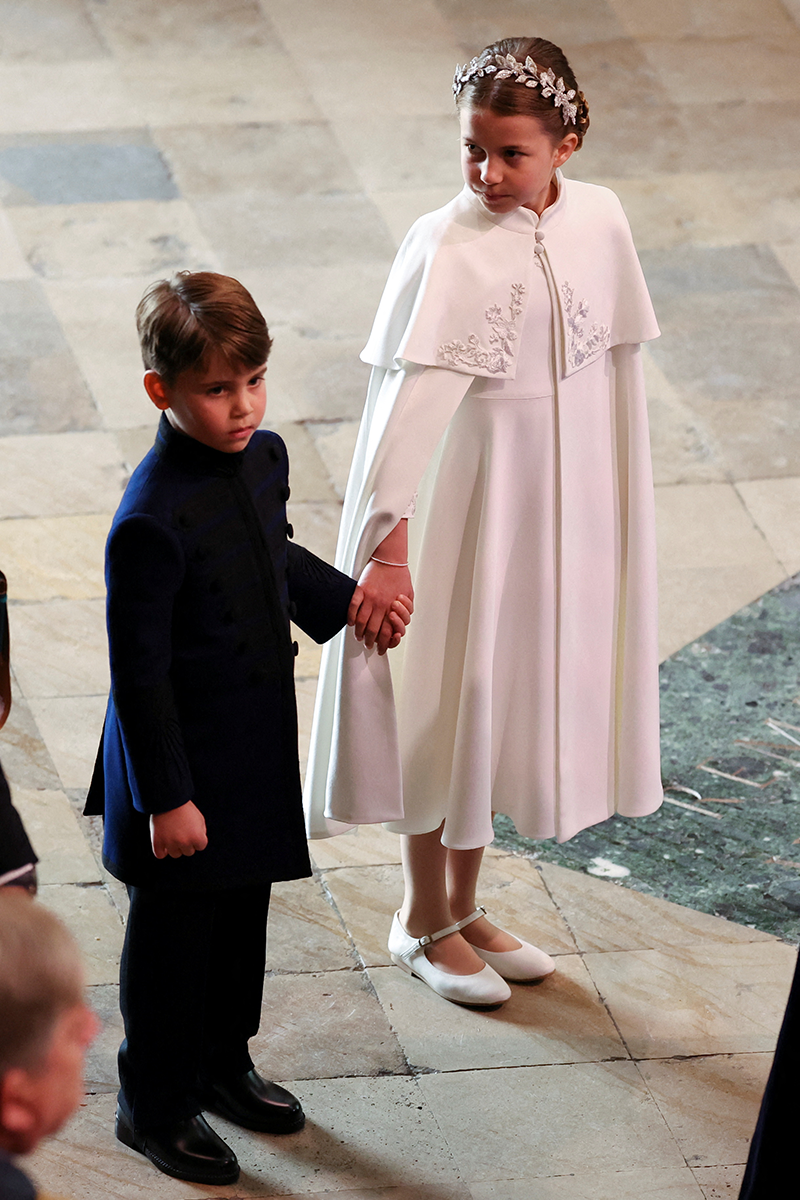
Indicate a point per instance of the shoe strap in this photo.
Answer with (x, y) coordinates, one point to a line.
(454, 928)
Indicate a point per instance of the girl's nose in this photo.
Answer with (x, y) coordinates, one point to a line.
(490, 170)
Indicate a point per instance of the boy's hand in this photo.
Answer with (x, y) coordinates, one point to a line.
(179, 831)
(394, 626)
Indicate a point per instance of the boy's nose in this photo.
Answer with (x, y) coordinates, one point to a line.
(243, 402)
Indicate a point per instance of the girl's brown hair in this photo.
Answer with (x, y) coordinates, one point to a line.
(183, 320)
(509, 98)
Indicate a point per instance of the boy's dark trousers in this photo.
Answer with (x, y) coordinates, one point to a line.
(191, 982)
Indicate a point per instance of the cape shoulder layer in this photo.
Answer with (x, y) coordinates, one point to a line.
(457, 293)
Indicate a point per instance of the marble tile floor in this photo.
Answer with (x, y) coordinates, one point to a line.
(293, 144)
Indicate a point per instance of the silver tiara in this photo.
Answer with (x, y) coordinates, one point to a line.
(505, 66)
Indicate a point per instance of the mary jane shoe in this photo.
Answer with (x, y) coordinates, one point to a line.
(524, 965)
(484, 989)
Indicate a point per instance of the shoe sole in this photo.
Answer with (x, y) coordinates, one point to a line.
(488, 1007)
(125, 1134)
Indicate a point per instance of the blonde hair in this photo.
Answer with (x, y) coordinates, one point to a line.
(183, 320)
(40, 977)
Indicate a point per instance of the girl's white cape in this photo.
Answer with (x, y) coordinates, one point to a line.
(454, 309)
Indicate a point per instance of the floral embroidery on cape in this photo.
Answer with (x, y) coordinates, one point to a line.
(580, 344)
(502, 335)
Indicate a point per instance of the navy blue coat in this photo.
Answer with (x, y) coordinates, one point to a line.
(202, 580)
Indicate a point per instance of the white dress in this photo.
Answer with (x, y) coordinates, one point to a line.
(527, 682)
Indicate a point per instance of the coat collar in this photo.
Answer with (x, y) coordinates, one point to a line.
(177, 447)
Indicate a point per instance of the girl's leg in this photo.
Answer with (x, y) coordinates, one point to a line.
(426, 907)
(461, 872)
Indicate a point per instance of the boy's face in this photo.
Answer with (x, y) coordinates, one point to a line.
(219, 405)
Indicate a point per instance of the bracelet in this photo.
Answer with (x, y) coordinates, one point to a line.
(384, 563)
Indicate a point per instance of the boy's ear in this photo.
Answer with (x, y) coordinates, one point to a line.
(157, 390)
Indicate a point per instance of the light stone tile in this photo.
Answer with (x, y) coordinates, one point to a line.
(56, 836)
(41, 31)
(719, 1183)
(706, 525)
(98, 320)
(324, 1026)
(126, 237)
(702, 999)
(315, 378)
(477, 23)
(788, 255)
(26, 760)
(135, 443)
(305, 933)
(13, 264)
(666, 1183)
(71, 729)
(100, 1073)
(86, 94)
(314, 301)
(94, 922)
(400, 209)
(677, 209)
(701, 19)
(773, 505)
(202, 90)
(151, 28)
(49, 558)
(693, 600)
(559, 1020)
(392, 153)
(361, 1138)
(536, 1122)
(307, 475)
(364, 846)
(708, 70)
(316, 525)
(367, 898)
(60, 648)
(710, 1104)
(335, 442)
(683, 449)
(515, 895)
(43, 475)
(603, 916)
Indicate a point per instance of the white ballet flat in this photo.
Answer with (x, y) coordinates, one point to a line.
(484, 989)
(523, 965)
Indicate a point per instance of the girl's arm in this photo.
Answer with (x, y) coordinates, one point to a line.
(381, 584)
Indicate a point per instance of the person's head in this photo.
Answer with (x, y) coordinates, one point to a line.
(522, 116)
(45, 1023)
(205, 347)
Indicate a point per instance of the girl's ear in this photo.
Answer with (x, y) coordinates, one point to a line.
(157, 390)
(566, 149)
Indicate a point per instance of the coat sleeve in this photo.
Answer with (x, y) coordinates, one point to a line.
(145, 569)
(319, 594)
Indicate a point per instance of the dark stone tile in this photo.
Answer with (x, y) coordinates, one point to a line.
(183, 26)
(83, 168)
(41, 387)
(101, 1061)
(475, 23)
(43, 31)
(251, 231)
(287, 158)
(716, 696)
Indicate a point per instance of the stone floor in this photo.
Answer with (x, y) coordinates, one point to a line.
(292, 144)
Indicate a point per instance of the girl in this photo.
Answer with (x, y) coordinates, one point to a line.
(506, 415)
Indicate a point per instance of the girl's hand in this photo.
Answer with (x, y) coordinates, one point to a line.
(380, 586)
(180, 831)
(394, 627)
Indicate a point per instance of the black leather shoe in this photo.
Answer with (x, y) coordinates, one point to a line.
(187, 1149)
(255, 1103)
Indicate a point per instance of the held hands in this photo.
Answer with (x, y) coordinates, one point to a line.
(179, 831)
(382, 605)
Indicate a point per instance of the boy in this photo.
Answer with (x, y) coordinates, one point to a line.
(45, 1030)
(198, 771)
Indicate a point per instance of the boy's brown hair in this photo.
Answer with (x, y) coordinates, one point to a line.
(183, 320)
(40, 977)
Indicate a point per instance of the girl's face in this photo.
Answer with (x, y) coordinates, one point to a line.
(510, 161)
